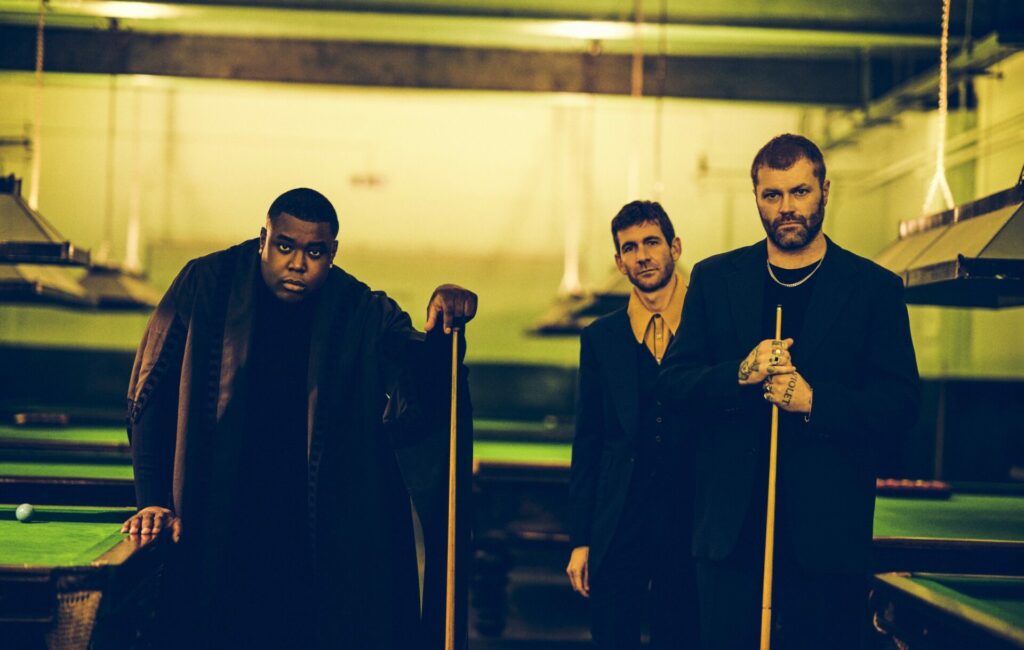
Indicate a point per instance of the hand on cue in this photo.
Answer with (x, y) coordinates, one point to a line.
(789, 391)
(451, 306)
(769, 357)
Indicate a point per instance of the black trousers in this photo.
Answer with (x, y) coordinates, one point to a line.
(647, 568)
(810, 610)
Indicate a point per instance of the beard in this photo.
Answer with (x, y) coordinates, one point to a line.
(650, 284)
(795, 238)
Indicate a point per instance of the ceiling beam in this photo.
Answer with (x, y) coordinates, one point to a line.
(918, 17)
(837, 82)
(919, 92)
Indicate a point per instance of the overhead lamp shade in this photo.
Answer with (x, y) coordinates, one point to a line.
(570, 314)
(26, 237)
(115, 289)
(41, 284)
(970, 256)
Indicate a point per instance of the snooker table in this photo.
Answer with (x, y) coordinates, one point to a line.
(91, 465)
(69, 578)
(521, 498)
(936, 611)
(79, 442)
(66, 465)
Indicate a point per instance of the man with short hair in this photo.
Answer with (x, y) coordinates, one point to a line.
(844, 377)
(271, 398)
(631, 483)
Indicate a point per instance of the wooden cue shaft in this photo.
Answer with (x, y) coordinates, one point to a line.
(449, 613)
(769, 528)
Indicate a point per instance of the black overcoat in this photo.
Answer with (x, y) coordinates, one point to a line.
(607, 436)
(855, 350)
(367, 367)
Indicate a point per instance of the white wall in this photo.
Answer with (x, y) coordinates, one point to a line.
(476, 188)
(483, 181)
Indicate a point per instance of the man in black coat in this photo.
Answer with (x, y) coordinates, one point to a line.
(272, 402)
(631, 485)
(844, 377)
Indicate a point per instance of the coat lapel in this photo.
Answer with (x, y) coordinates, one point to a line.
(237, 325)
(746, 296)
(323, 326)
(827, 300)
(623, 377)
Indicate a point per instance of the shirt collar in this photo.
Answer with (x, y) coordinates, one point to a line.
(640, 316)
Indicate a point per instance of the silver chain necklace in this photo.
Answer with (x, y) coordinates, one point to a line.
(790, 285)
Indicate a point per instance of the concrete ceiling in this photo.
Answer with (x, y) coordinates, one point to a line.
(797, 51)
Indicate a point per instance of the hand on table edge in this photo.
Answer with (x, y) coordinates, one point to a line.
(151, 520)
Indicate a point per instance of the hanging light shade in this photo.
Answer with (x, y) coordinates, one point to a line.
(572, 312)
(26, 237)
(969, 256)
(34, 257)
(41, 284)
(116, 289)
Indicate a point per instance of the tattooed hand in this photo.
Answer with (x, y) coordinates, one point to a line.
(790, 391)
(770, 357)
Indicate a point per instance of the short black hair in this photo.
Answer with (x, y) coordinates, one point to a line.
(307, 205)
(638, 212)
(783, 151)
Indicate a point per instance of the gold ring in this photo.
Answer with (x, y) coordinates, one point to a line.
(774, 360)
(767, 396)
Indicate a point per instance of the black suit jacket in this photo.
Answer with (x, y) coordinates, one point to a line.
(607, 421)
(855, 351)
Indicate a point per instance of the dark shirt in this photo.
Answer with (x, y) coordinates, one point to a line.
(271, 563)
(272, 471)
(794, 301)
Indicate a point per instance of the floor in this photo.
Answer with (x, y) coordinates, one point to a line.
(543, 612)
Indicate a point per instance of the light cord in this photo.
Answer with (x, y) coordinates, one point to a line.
(659, 101)
(636, 85)
(939, 181)
(37, 113)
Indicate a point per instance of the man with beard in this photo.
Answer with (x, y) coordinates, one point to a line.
(272, 397)
(845, 379)
(631, 486)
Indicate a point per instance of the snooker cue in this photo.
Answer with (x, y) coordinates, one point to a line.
(769, 528)
(449, 612)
